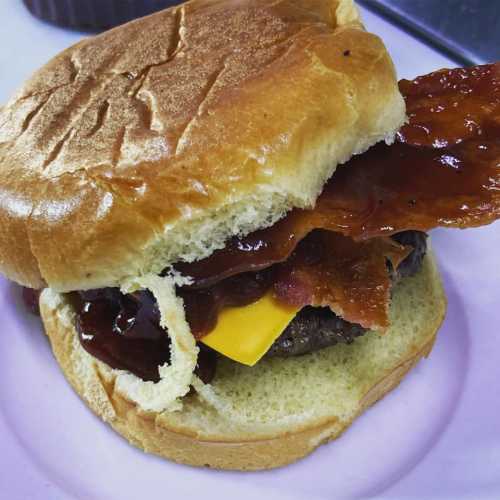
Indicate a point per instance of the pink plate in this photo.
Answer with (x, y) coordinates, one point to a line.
(437, 435)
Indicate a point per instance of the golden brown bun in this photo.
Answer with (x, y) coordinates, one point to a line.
(155, 141)
(275, 412)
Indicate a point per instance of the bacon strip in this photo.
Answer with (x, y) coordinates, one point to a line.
(328, 269)
(444, 170)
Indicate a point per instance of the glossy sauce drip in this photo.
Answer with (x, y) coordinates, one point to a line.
(443, 170)
(124, 331)
(256, 251)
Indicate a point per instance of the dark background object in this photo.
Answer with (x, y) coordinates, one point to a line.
(467, 31)
(94, 15)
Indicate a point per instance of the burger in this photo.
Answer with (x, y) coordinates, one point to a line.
(221, 213)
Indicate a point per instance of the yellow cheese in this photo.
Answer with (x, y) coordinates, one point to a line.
(245, 334)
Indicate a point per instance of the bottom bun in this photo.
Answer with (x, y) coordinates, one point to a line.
(271, 414)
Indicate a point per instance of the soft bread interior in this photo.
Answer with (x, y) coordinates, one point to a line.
(281, 409)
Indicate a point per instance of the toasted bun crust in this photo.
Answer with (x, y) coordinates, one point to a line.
(155, 141)
(271, 414)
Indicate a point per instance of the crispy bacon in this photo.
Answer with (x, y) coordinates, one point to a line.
(443, 170)
(328, 269)
(448, 107)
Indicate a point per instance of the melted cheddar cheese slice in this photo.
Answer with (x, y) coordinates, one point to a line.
(245, 334)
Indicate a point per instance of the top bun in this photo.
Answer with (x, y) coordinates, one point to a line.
(154, 142)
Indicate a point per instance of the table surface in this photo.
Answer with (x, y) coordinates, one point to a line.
(467, 30)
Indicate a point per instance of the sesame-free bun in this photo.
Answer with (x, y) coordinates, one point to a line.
(154, 142)
(270, 414)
